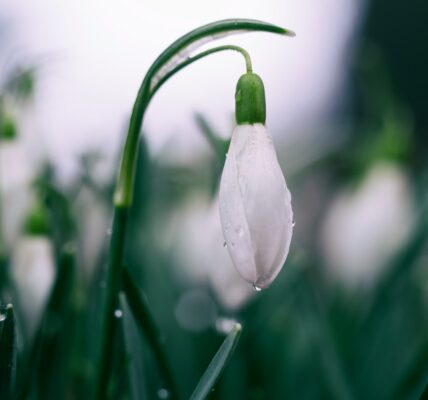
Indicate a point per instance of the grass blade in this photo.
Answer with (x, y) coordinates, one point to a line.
(7, 353)
(218, 144)
(147, 325)
(114, 271)
(134, 350)
(414, 381)
(217, 364)
(424, 395)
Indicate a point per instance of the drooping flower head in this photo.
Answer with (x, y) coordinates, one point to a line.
(255, 204)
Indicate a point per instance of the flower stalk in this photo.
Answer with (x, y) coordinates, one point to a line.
(164, 67)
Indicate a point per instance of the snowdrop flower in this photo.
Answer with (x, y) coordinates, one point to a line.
(255, 204)
(15, 178)
(367, 225)
(33, 267)
(33, 272)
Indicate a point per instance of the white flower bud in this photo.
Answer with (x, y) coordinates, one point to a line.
(255, 206)
(33, 272)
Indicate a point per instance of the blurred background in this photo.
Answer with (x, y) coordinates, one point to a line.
(347, 107)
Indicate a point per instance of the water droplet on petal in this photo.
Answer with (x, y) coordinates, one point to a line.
(243, 184)
(293, 223)
(240, 231)
(2, 316)
(224, 244)
(163, 393)
(118, 313)
(257, 288)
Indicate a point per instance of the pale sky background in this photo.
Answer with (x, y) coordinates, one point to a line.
(94, 53)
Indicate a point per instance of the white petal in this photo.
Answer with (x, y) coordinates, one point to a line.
(255, 206)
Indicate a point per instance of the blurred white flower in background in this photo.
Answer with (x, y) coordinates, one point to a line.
(197, 233)
(33, 272)
(366, 226)
(195, 310)
(16, 174)
(94, 225)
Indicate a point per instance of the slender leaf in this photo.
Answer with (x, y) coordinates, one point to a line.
(134, 349)
(414, 381)
(424, 395)
(7, 353)
(147, 325)
(217, 364)
(114, 271)
(218, 144)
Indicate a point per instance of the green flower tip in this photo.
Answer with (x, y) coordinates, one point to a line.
(237, 328)
(37, 222)
(8, 129)
(250, 104)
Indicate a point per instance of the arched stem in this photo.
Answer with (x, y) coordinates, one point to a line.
(125, 182)
(206, 53)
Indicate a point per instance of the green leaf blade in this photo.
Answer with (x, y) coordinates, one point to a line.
(134, 349)
(7, 353)
(217, 364)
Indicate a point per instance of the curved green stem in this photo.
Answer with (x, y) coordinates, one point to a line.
(191, 60)
(167, 64)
